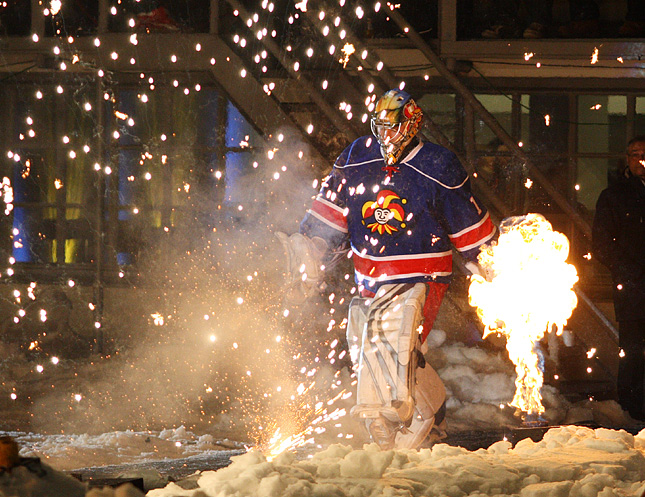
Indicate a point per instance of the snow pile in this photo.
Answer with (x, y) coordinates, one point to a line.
(479, 385)
(70, 451)
(570, 461)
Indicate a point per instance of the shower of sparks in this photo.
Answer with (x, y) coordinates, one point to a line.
(299, 427)
(530, 292)
(312, 413)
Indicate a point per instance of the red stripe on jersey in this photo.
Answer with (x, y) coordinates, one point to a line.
(330, 214)
(473, 236)
(403, 266)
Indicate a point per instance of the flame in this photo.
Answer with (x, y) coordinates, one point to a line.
(529, 293)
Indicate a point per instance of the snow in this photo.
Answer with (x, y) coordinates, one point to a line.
(570, 460)
(69, 452)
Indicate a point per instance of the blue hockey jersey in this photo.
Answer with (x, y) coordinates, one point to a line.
(401, 221)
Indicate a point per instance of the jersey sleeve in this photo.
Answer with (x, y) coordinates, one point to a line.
(466, 219)
(327, 216)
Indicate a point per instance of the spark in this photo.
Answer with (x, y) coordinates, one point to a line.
(348, 49)
(55, 6)
(594, 55)
(157, 318)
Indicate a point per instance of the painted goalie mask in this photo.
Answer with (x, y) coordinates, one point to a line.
(395, 122)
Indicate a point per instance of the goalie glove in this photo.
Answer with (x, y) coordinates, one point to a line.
(477, 269)
(304, 265)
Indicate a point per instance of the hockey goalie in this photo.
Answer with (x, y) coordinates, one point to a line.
(401, 205)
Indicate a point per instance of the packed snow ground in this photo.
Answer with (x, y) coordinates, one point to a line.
(569, 461)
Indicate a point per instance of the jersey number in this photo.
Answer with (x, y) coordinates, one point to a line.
(472, 199)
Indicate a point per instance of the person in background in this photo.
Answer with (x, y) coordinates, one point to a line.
(515, 18)
(585, 20)
(634, 25)
(401, 204)
(619, 243)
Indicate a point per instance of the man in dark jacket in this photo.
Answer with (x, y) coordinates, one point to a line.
(619, 243)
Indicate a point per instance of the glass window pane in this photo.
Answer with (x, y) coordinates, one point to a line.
(601, 130)
(601, 123)
(545, 123)
(592, 179)
(238, 130)
(72, 19)
(441, 108)
(161, 16)
(236, 164)
(15, 18)
(639, 125)
(500, 107)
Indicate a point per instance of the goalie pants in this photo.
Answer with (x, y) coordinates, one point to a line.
(434, 297)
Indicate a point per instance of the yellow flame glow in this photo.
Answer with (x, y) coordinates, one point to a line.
(529, 293)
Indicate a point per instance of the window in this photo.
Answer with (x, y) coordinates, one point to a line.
(155, 163)
(160, 16)
(601, 144)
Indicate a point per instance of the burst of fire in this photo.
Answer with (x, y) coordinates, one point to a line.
(529, 293)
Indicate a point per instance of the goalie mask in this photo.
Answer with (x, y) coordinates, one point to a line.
(395, 122)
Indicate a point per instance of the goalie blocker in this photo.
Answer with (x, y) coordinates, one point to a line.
(400, 397)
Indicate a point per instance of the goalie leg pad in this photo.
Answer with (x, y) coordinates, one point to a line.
(429, 412)
(388, 357)
(356, 321)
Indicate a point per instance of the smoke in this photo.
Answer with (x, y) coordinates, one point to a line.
(209, 341)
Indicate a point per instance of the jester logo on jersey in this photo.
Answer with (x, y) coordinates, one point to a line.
(384, 210)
